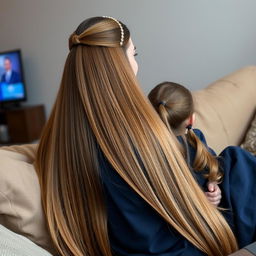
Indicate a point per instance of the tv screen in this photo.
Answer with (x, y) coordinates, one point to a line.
(12, 84)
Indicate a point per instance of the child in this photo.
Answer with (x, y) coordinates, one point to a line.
(235, 168)
(174, 104)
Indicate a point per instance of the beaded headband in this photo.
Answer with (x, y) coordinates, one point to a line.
(121, 28)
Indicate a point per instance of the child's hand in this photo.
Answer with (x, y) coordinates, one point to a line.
(214, 193)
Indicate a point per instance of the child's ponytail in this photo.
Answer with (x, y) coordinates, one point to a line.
(204, 159)
(164, 115)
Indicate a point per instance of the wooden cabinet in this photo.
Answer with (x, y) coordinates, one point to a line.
(24, 124)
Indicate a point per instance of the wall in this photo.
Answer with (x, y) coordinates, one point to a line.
(191, 42)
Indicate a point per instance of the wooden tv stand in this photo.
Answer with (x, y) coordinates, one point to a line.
(24, 123)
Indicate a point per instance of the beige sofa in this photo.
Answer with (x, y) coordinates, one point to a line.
(12, 244)
(224, 110)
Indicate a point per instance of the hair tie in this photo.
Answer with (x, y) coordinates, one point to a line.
(74, 41)
(162, 103)
(189, 127)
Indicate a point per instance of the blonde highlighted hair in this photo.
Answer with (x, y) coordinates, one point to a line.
(100, 105)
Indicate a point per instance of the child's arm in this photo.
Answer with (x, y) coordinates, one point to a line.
(214, 193)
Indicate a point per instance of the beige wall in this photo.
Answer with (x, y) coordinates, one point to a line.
(188, 41)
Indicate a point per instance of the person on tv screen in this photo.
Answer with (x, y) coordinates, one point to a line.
(10, 76)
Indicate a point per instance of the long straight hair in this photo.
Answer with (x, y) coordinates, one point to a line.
(100, 105)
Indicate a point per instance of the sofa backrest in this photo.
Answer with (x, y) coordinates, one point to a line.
(20, 197)
(225, 108)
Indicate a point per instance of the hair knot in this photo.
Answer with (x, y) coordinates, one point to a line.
(74, 40)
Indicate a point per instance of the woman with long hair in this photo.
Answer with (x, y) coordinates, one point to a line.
(234, 168)
(112, 177)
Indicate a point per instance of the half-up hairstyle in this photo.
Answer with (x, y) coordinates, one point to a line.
(174, 104)
(100, 106)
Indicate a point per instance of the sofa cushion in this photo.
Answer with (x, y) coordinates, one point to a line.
(20, 199)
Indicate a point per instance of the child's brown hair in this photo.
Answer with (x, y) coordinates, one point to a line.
(174, 104)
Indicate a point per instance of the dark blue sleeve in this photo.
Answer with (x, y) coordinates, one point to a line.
(239, 192)
(135, 229)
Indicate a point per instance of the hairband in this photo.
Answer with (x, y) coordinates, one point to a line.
(189, 127)
(121, 28)
(162, 103)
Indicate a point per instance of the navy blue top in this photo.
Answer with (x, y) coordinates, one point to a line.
(136, 229)
(239, 193)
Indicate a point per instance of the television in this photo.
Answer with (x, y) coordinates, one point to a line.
(12, 83)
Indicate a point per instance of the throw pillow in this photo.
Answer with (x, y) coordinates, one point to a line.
(250, 138)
